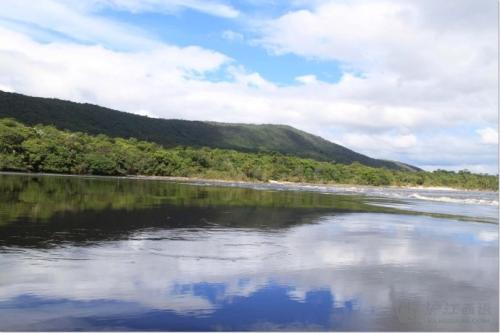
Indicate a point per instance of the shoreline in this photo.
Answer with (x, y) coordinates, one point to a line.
(225, 182)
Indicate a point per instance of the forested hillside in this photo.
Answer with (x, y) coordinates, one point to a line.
(93, 119)
(47, 149)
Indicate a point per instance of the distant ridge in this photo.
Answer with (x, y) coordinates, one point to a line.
(94, 119)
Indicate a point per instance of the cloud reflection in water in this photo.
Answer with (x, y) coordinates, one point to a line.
(360, 271)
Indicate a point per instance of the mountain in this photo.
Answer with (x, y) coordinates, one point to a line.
(94, 119)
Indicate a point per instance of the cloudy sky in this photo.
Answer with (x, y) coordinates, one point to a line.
(408, 80)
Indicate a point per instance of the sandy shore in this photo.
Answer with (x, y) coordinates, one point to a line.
(285, 183)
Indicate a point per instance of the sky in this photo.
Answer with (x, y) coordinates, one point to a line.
(408, 80)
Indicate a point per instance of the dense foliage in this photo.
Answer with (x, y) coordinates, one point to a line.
(47, 149)
(95, 120)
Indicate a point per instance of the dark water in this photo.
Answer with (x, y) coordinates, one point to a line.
(113, 254)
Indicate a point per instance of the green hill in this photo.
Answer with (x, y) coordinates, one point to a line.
(94, 119)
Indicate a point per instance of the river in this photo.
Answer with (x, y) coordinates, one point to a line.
(97, 253)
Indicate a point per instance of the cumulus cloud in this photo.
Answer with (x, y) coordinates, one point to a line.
(94, 73)
(407, 56)
(391, 35)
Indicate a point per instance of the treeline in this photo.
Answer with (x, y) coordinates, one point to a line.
(47, 149)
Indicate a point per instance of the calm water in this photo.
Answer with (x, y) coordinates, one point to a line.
(113, 254)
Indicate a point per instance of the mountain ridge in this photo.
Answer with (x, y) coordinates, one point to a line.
(265, 138)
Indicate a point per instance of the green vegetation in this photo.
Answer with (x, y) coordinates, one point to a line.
(47, 149)
(93, 119)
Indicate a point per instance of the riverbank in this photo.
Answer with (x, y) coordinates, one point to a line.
(46, 149)
(246, 183)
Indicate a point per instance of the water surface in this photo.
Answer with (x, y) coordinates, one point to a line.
(83, 253)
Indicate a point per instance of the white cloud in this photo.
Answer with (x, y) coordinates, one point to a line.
(76, 19)
(306, 79)
(215, 8)
(389, 35)
(488, 135)
(74, 23)
(376, 141)
(408, 57)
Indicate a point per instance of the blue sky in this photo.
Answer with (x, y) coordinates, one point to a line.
(227, 36)
(382, 77)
